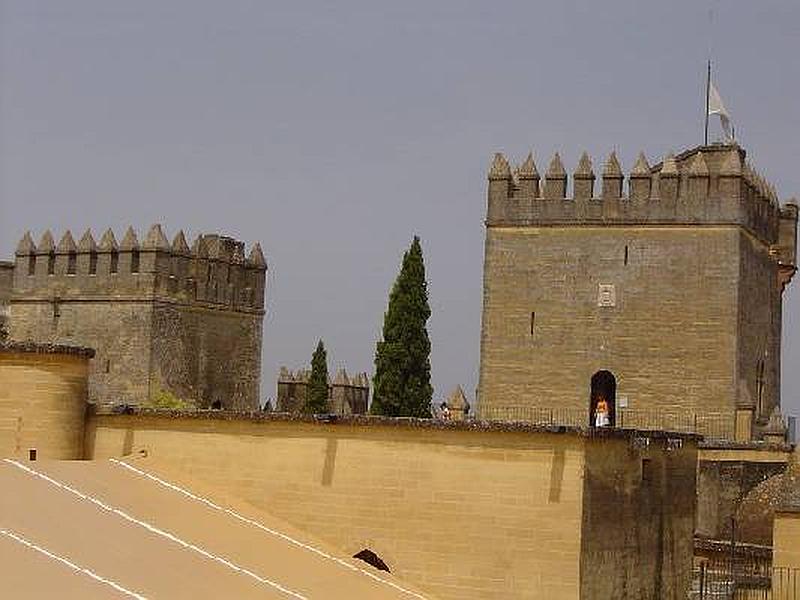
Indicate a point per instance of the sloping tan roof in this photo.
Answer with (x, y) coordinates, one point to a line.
(152, 541)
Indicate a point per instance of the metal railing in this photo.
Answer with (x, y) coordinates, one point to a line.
(722, 581)
(710, 425)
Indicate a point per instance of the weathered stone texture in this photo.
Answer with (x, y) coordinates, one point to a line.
(676, 289)
(160, 317)
(670, 339)
(638, 521)
(6, 285)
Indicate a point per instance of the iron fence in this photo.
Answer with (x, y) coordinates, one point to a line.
(710, 425)
(734, 581)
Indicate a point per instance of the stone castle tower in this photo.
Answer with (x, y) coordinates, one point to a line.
(161, 316)
(346, 395)
(663, 295)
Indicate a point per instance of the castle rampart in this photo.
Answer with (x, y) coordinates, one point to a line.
(162, 316)
(711, 185)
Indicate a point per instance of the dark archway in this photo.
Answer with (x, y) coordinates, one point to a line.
(604, 385)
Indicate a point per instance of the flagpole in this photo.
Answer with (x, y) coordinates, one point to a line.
(708, 92)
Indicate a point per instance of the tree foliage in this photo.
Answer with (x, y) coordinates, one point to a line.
(402, 382)
(317, 391)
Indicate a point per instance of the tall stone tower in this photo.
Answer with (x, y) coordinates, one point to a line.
(161, 316)
(664, 299)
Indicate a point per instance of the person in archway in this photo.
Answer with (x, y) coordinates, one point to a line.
(601, 414)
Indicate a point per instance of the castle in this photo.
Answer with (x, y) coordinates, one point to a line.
(162, 317)
(665, 300)
(346, 395)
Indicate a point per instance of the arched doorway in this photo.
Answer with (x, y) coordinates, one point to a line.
(604, 385)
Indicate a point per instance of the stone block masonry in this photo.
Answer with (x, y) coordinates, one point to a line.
(463, 510)
(671, 294)
(161, 316)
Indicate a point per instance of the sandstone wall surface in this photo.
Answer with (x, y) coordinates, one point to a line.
(669, 338)
(465, 511)
(462, 515)
(42, 404)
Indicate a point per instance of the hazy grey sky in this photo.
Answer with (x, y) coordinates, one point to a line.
(334, 132)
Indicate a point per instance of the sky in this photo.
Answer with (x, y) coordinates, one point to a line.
(332, 133)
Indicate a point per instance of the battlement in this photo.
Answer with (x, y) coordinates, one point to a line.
(214, 272)
(705, 185)
(346, 395)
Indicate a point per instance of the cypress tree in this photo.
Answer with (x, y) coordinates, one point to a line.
(317, 391)
(402, 382)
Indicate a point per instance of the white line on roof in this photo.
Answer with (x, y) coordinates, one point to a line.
(70, 564)
(156, 530)
(262, 527)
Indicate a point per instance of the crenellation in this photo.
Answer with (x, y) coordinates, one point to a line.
(583, 179)
(93, 293)
(640, 179)
(555, 180)
(708, 184)
(694, 254)
(214, 273)
(612, 178)
(528, 178)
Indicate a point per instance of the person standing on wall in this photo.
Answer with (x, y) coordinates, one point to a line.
(601, 415)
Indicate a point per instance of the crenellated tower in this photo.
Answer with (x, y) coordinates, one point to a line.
(161, 316)
(663, 292)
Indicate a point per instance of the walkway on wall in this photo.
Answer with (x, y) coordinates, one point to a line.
(104, 529)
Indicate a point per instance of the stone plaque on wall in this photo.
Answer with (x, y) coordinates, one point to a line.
(606, 295)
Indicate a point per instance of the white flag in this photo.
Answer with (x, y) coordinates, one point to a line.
(716, 107)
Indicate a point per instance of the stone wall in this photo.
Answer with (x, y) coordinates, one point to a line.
(669, 338)
(786, 540)
(465, 511)
(207, 355)
(6, 285)
(725, 478)
(675, 287)
(43, 400)
(161, 316)
(638, 524)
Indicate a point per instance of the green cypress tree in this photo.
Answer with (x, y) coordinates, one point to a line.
(402, 382)
(317, 391)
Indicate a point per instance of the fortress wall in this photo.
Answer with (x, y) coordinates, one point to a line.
(669, 339)
(207, 355)
(42, 402)
(786, 533)
(120, 330)
(462, 512)
(638, 521)
(158, 314)
(759, 298)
